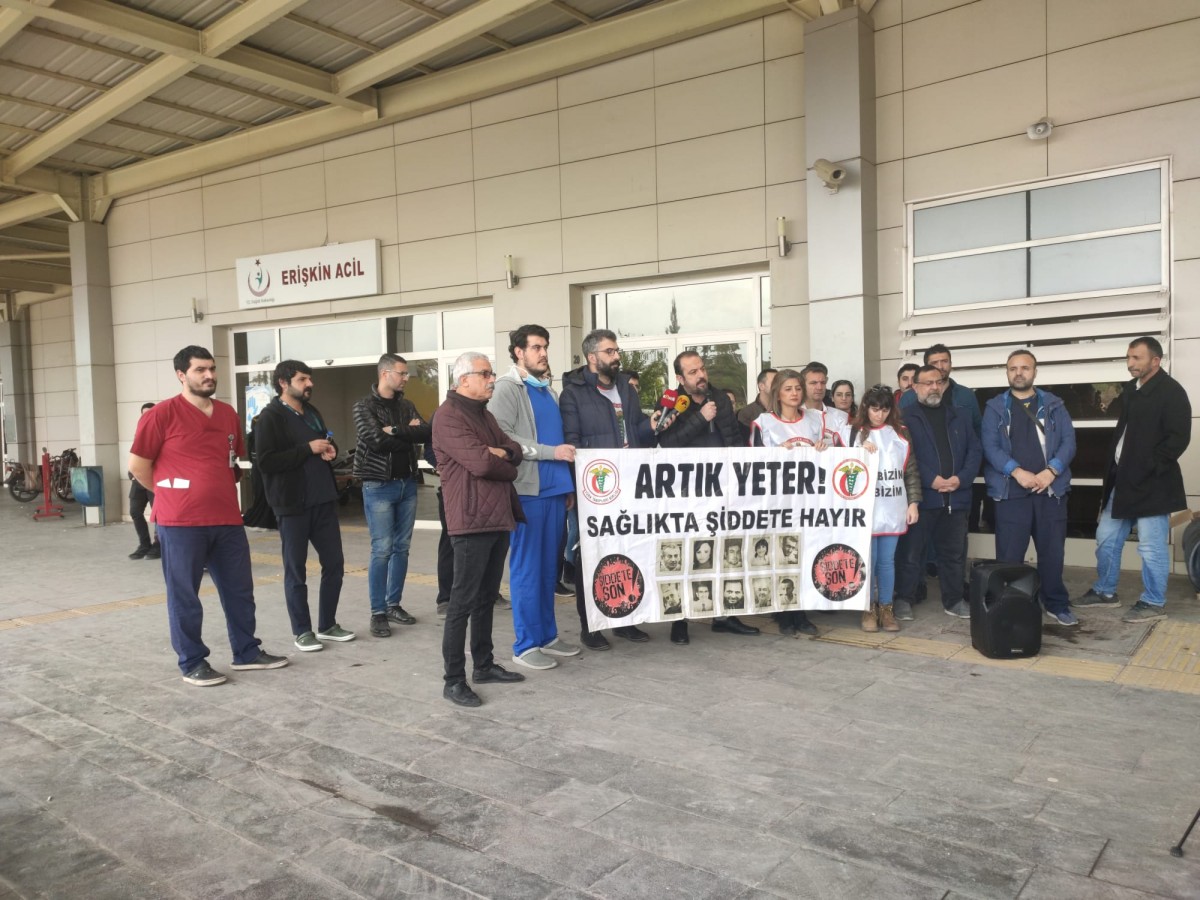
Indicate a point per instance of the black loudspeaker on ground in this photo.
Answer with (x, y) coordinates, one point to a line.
(1006, 618)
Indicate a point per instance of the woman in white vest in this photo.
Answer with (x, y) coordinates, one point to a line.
(877, 428)
(790, 425)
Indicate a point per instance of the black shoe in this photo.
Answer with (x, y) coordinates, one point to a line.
(495, 673)
(561, 590)
(931, 570)
(155, 552)
(733, 625)
(631, 633)
(787, 629)
(679, 633)
(594, 640)
(379, 625)
(398, 615)
(804, 626)
(139, 553)
(459, 692)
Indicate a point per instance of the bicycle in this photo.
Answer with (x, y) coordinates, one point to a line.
(25, 481)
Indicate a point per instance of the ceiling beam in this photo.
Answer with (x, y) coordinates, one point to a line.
(35, 206)
(608, 39)
(134, 26)
(429, 42)
(245, 21)
(829, 7)
(11, 23)
(43, 274)
(33, 287)
(37, 234)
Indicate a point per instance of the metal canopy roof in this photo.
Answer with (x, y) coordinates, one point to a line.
(100, 99)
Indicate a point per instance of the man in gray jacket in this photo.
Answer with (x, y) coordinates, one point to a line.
(526, 408)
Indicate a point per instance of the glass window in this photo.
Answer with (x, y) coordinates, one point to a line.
(969, 279)
(333, 340)
(468, 328)
(711, 306)
(1097, 204)
(408, 334)
(966, 226)
(766, 352)
(253, 348)
(1086, 401)
(726, 366)
(422, 388)
(653, 366)
(765, 300)
(1127, 260)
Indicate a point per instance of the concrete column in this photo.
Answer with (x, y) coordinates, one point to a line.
(95, 372)
(839, 122)
(16, 372)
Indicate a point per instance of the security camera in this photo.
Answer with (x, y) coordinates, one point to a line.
(1040, 130)
(831, 173)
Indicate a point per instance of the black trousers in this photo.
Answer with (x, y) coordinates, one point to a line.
(478, 568)
(139, 497)
(445, 556)
(317, 525)
(947, 532)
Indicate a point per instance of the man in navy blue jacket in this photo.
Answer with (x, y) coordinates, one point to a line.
(600, 409)
(1028, 445)
(948, 455)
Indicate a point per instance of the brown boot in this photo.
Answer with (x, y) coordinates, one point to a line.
(870, 620)
(887, 618)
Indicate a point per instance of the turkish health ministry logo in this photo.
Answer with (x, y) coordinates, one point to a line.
(601, 483)
(850, 480)
(258, 281)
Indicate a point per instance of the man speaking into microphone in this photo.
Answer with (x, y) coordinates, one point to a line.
(707, 420)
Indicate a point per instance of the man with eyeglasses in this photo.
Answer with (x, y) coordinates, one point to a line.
(479, 465)
(389, 430)
(600, 410)
(948, 455)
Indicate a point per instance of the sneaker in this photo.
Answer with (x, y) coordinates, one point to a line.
(959, 610)
(336, 633)
(379, 625)
(441, 611)
(559, 647)
(204, 675)
(902, 609)
(264, 660)
(502, 602)
(155, 552)
(1066, 617)
(139, 553)
(398, 615)
(561, 590)
(1144, 612)
(1096, 600)
(308, 642)
(533, 658)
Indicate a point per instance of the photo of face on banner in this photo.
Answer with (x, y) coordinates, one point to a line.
(702, 554)
(789, 550)
(731, 555)
(733, 595)
(670, 557)
(760, 552)
(761, 596)
(670, 595)
(702, 596)
(786, 591)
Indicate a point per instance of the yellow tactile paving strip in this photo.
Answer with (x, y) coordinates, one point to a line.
(1168, 660)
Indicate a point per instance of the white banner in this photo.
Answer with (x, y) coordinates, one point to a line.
(673, 534)
(332, 272)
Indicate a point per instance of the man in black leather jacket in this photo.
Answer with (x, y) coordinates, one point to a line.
(708, 422)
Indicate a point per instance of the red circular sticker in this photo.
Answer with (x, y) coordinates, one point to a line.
(617, 586)
(837, 572)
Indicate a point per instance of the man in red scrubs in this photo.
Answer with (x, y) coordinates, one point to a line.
(186, 448)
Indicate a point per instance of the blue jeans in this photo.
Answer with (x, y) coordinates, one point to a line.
(1153, 532)
(883, 558)
(391, 508)
(186, 550)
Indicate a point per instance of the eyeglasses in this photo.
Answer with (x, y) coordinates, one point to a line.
(403, 374)
(485, 374)
(611, 351)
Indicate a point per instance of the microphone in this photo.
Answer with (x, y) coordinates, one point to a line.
(668, 404)
(682, 402)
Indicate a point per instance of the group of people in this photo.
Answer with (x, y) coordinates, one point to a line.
(504, 445)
